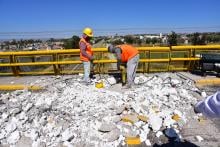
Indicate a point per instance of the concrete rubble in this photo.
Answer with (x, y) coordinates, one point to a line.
(69, 113)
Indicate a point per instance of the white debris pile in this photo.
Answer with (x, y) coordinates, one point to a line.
(69, 113)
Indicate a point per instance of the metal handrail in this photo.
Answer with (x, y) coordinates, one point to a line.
(146, 61)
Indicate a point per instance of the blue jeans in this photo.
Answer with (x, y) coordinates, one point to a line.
(86, 67)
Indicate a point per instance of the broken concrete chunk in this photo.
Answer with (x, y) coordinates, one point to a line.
(120, 109)
(34, 134)
(14, 137)
(11, 127)
(68, 135)
(158, 134)
(168, 122)
(111, 80)
(143, 118)
(199, 138)
(131, 95)
(203, 94)
(155, 122)
(112, 135)
(147, 142)
(15, 111)
(143, 136)
(107, 127)
(132, 118)
(28, 107)
(3, 133)
(115, 119)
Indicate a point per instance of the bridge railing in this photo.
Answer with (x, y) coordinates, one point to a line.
(152, 59)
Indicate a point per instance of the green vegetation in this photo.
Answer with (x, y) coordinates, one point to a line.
(72, 43)
(172, 39)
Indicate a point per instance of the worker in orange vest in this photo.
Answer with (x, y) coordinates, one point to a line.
(129, 55)
(86, 54)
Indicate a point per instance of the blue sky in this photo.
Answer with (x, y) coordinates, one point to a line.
(63, 18)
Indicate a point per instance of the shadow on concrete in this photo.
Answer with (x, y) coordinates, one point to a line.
(174, 140)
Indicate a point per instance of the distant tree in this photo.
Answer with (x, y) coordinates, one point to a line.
(13, 42)
(198, 39)
(148, 41)
(172, 39)
(154, 40)
(72, 43)
(138, 41)
(129, 39)
(117, 42)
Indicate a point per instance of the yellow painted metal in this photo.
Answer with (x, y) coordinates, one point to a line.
(58, 59)
(208, 81)
(19, 87)
(184, 59)
(196, 47)
(133, 140)
(99, 85)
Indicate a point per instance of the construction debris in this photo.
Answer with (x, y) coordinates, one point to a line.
(69, 113)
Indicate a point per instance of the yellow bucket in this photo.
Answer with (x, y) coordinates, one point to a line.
(99, 85)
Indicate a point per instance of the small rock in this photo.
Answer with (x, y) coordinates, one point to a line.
(15, 111)
(111, 80)
(3, 134)
(106, 127)
(115, 119)
(147, 142)
(11, 127)
(34, 134)
(199, 138)
(112, 135)
(175, 82)
(67, 144)
(131, 95)
(68, 135)
(158, 134)
(155, 122)
(132, 118)
(203, 94)
(119, 110)
(28, 107)
(14, 137)
(4, 116)
(143, 136)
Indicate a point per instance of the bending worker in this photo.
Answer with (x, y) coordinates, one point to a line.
(129, 55)
(86, 54)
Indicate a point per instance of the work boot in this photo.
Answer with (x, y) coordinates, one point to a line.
(127, 86)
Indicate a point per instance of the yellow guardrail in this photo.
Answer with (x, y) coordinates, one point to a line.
(152, 59)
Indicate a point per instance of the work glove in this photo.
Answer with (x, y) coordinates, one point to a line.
(122, 67)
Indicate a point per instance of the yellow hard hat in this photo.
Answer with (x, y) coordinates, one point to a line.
(88, 32)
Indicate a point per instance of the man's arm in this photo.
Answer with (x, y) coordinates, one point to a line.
(210, 107)
(118, 56)
(82, 46)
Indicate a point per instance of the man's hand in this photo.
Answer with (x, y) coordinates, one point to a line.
(122, 67)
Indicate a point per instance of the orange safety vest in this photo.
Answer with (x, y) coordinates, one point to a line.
(128, 52)
(88, 50)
